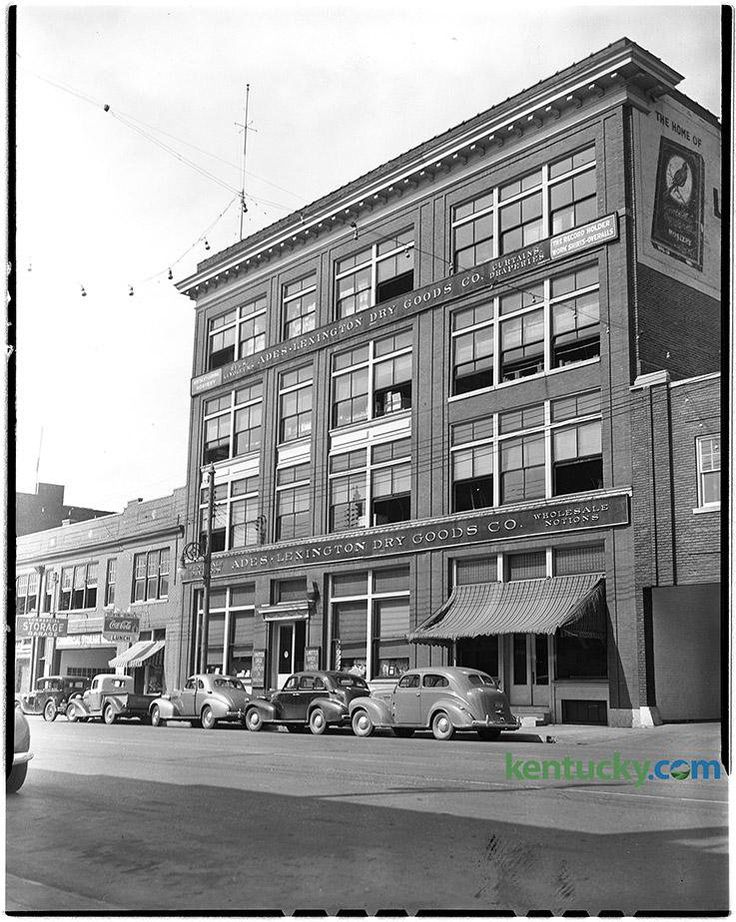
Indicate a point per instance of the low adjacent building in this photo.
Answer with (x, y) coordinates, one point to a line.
(107, 583)
(46, 509)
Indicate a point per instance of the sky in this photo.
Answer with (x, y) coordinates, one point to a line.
(336, 89)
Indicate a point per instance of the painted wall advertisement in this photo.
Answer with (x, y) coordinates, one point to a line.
(679, 195)
(677, 225)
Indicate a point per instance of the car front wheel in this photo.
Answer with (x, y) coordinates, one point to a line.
(71, 714)
(442, 726)
(49, 711)
(253, 720)
(109, 715)
(16, 778)
(317, 721)
(156, 718)
(362, 724)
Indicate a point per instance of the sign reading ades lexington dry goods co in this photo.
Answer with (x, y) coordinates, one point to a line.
(452, 531)
(603, 230)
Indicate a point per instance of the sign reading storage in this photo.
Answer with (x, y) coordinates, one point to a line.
(40, 627)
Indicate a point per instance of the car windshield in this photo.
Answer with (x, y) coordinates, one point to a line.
(350, 681)
(480, 678)
(229, 683)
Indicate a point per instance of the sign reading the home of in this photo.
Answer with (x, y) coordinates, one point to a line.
(603, 230)
(451, 531)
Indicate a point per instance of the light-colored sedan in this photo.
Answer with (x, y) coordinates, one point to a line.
(443, 699)
(205, 700)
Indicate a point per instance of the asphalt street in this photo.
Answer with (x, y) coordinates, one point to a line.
(136, 818)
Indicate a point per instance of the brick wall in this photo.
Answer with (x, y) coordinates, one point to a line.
(679, 320)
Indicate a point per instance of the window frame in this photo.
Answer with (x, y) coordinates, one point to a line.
(701, 472)
(224, 504)
(228, 414)
(542, 423)
(284, 391)
(259, 308)
(158, 574)
(514, 192)
(372, 262)
(89, 597)
(287, 299)
(371, 364)
(293, 487)
(536, 296)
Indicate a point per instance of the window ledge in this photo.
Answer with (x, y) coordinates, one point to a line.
(712, 507)
(150, 601)
(536, 377)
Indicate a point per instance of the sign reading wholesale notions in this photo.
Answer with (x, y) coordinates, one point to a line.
(448, 532)
(40, 627)
(604, 230)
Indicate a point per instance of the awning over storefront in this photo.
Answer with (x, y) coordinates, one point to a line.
(528, 606)
(137, 654)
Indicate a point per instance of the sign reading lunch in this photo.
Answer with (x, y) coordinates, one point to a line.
(455, 531)
(120, 627)
(603, 230)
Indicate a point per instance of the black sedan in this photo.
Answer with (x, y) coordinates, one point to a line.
(308, 699)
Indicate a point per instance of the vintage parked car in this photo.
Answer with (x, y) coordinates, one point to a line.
(442, 699)
(308, 699)
(205, 700)
(22, 754)
(51, 695)
(109, 697)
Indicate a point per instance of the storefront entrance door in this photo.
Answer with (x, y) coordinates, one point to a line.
(288, 649)
(528, 669)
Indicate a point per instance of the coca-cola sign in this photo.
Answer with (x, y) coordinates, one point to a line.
(119, 626)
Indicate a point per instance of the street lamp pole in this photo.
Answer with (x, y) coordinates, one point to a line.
(207, 570)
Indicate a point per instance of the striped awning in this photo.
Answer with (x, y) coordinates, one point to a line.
(137, 654)
(527, 606)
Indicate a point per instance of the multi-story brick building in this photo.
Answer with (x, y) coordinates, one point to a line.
(85, 574)
(415, 393)
(676, 513)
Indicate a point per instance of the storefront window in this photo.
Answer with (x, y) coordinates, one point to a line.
(580, 657)
(369, 622)
(231, 630)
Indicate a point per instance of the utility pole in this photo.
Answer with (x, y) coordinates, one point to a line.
(243, 207)
(207, 569)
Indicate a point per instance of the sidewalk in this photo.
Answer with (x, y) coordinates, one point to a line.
(696, 737)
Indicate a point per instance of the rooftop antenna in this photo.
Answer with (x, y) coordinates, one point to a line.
(245, 126)
(38, 459)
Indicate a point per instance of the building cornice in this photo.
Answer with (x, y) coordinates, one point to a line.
(621, 64)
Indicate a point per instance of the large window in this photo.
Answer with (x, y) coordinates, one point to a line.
(26, 593)
(111, 576)
(369, 622)
(230, 630)
(472, 465)
(378, 273)
(232, 424)
(372, 380)
(299, 306)
(545, 325)
(295, 403)
(370, 486)
(472, 349)
(237, 334)
(556, 197)
(708, 450)
(293, 502)
(576, 328)
(235, 521)
(151, 575)
(78, 587)
(544, 450)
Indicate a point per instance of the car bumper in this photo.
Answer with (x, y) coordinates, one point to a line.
(235, 715)
(496, 723)
(20, 758)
